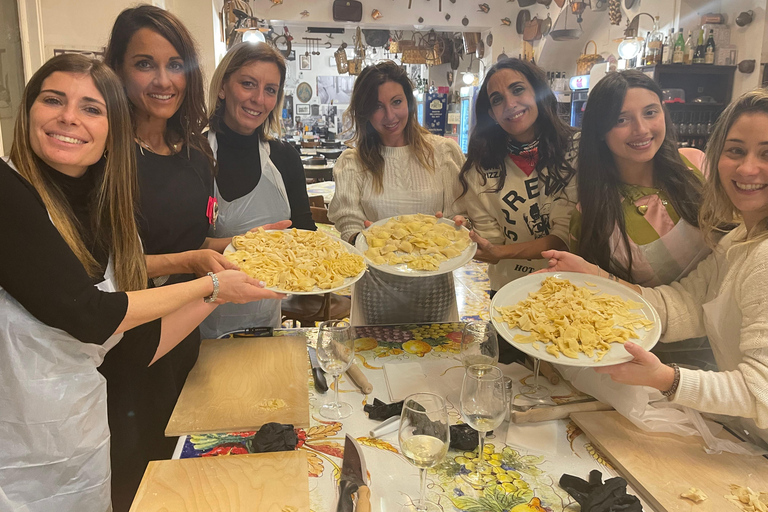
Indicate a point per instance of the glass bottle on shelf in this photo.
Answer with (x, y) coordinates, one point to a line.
(709, 124)
(698, 55)
(678, 54)
(709, 51)
(654, 44)
(691, 126)
(690, 48)
(701, 128)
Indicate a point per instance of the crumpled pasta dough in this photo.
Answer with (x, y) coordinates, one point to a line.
(570, 319)
(747, 499)
(418, 240)
(295, 260)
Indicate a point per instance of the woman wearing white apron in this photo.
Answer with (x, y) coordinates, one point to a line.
(396, 168)
(69, 216)
(259, 180)
(725, 296)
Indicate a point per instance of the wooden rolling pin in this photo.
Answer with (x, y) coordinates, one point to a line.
(357, 376)
(548, 371)
(556, 412)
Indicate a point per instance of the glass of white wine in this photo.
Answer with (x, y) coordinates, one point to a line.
(335, 352)
(479, 344)
(484, 406)
(424, 438)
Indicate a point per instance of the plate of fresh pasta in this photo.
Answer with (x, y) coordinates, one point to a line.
(297, 261)
(574, 319)
(416, 245)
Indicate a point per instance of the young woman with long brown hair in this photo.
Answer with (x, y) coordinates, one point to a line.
(69, 243)
(396, 167)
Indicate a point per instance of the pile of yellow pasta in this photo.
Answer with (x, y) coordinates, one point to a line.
(295, 260)
(570, 319)
(417, 240)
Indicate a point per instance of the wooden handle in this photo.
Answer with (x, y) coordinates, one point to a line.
(363, 499)
(359, 378)
(557, 412)
(548, 371)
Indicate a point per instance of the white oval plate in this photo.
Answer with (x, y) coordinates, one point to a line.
(348, 281)
(401, 269)
(517, 290)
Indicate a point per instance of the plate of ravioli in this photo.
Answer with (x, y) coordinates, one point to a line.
(416, 245)
(297, 261)
(574, 319)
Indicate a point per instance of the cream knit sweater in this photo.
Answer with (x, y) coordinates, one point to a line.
(408, 186)
(726, 298)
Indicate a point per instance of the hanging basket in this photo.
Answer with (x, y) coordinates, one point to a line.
(585, 62)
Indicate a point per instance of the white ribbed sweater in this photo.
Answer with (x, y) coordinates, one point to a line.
(408, 186)
(737, 328)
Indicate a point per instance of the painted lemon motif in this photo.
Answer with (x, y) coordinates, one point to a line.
(417, 347)
(365, 344)
(532, 506)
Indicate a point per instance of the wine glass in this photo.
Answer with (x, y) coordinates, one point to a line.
(484, 406)
(479, 344)
(335, 351)
(424, 437)
(536, 391)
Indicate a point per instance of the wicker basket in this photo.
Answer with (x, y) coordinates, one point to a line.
(587, 60)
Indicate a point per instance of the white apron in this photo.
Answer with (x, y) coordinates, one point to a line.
(266, 203)
(53, 415)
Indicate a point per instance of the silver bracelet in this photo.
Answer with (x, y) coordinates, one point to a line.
(215, 295)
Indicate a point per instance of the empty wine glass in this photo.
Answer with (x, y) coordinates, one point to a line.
(335, 351)
(484, 406)
(535, 391)
(424, 437)
(479, 344)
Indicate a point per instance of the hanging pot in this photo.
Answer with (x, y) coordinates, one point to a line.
(526, 3)
(480, 51)
(546, 25)
(375, 37)
(523, 17)
(502, 56)
(489, 40)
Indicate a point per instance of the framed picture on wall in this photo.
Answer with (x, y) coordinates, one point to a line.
(305, 62)
(303, 110)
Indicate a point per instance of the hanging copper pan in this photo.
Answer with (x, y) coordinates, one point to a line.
(523, 17)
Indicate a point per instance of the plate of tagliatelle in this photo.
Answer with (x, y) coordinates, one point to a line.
(574, 319)
(297, 261)
(416, 245)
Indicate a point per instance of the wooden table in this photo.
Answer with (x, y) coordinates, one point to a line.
(319, 172)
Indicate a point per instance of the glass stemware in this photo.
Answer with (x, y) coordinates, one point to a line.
(535, 391)
(484, 406)
(479, 344)
(335, 352)
(424, 437)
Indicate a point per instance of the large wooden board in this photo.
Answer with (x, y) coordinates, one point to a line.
(661, 466)
(267, 482)
(234, 378)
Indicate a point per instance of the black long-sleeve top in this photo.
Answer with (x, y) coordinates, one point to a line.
(37, 267)
(239, 171)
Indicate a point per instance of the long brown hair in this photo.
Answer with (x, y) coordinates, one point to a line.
(599, 182)
(487, 146)
(237, 57)
(190, 120)
(114, 204)
(717, 209)
(365, 99)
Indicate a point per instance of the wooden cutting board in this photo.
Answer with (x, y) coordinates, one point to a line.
(267, 482)
(235, 383)
(661, 466)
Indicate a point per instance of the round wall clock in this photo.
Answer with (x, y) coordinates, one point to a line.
(304, 92)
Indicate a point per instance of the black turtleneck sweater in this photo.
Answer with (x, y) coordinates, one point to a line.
(240, 171)
(37, 267)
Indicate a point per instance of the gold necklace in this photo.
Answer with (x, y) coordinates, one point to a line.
(144, 145)
(633, 195)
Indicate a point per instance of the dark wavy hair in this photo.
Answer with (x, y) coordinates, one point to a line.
(488, 141)
(599, 182)
(191, 119)
(362, 105)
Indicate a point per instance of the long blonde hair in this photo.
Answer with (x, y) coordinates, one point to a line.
(114, 220)
(237, 57)
(365, 98)
(717, 209)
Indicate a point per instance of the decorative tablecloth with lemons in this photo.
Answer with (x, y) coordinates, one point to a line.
(526, 460)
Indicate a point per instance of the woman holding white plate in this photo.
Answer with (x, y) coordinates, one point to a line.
(395, 168)
(725, 296)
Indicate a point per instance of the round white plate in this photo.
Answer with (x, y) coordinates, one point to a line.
(517, 290)
(348, 281)
(401, 269)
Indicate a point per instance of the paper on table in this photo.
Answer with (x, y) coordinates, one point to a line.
(404, 379)
(537, 437)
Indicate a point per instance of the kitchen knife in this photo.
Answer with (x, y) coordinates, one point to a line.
(317, 373)
(353, 478)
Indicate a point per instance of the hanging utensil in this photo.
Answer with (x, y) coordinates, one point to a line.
(489, 40)
(502, 56)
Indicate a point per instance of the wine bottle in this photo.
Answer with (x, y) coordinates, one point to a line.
(690, 48)
(709, 53)
(678, 53)
(698, 55)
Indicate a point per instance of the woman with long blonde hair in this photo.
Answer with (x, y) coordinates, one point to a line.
(725, 296)
(69, 244)
(395, 167)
